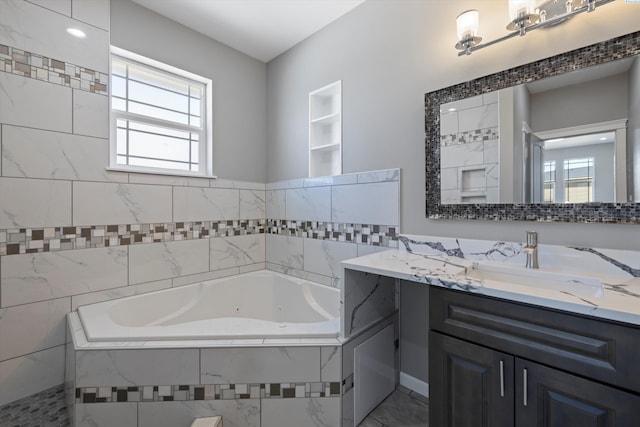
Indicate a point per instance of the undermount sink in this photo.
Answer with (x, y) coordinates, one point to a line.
(569, 283)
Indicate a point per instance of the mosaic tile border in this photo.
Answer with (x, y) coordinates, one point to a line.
(20, 241)
(52, 239)
(38, 67)
(621, 213)
(366, 234)
(167, 393)
(478, 135)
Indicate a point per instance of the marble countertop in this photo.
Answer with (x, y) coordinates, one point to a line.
(620, 300)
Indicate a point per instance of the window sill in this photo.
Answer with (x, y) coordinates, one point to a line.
(162, 173)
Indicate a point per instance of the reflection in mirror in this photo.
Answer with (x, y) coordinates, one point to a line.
(481, 156)
(561, 139)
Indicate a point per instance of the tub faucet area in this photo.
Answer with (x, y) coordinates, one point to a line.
(531, 250)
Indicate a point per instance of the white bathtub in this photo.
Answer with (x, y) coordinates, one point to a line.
(261, 304)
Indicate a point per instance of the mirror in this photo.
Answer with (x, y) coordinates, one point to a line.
(557, 139)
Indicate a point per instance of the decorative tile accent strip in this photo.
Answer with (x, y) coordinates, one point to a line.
(164, 393)
(368, 234)
(34, 66)
(45, 408)
(621, 213)
(50, 239)
(467, 137)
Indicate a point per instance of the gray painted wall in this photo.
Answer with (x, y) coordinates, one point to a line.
(239, 92)
(389, 54)
(596, 101)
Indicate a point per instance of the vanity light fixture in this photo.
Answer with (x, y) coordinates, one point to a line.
(75, 32)
(524, 17)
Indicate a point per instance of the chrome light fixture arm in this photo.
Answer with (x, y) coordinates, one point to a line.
(526, 23)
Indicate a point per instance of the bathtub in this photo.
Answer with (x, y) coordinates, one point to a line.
(261, 304)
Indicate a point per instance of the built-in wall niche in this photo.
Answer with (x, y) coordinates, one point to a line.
(325, 130)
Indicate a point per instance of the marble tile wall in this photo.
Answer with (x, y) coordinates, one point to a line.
(71, 232)
(251, 386)
(314, 224)
(469, 147)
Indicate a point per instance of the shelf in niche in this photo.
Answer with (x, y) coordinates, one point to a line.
(329, 118)
(326, 147)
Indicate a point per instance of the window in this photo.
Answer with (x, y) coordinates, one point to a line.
(549, 181)
(159, 120)
(578, 180)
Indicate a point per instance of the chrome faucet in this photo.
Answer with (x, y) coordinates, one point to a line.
(531, 250)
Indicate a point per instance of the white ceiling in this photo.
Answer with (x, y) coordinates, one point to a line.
(262, 29)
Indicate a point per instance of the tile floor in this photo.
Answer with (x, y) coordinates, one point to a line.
(403, 408)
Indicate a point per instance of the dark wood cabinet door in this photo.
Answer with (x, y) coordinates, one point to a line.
(470, 385)
(546, 397)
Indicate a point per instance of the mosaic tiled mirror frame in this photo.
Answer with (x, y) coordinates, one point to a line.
(621, 213)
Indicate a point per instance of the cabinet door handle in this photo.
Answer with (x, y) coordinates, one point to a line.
(501, 378)
(524, 386)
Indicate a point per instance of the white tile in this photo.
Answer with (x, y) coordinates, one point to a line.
(112, 368)
(478, 118)
(60, 6)
(450, 197)
(203, 277)
(236, 251)
(324, 256)
(34, 153)
(94, 12)
(90, 114)
(275, 204)
(34, 203)
(491, 97)
(448, 123)
(492, 151)
(198, 204)
(47, 275)
(462, 104)
(125, 291)
(37, 30)
(285, 250)
(301, 412)
(252, 267)
(26, 375)
(235, 413)
(121, 414)
(306, 275)
(252, 204)
(260, 365)
(33, 327)
(492, 171)
(237, 185)
(370, 249)
(105, 203)
(308, 204)
(386, 175)
(449, 178)
(331, 364)
(462, 155)
(376, 203)
(183, 181)
(33, 103)
(156, 261)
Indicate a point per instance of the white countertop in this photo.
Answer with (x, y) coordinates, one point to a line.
(620, 302)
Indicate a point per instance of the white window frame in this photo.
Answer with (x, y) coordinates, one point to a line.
(205, 145)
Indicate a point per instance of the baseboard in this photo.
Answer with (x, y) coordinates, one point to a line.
(414, 384)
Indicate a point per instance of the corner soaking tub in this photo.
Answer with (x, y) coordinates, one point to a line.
(261, 304)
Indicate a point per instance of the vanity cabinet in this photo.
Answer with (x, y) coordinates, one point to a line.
(499, 363)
